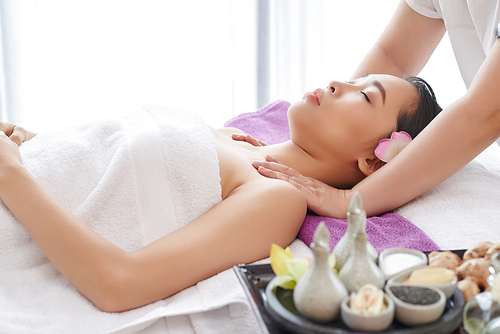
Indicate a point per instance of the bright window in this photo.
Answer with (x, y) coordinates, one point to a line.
(70, 61)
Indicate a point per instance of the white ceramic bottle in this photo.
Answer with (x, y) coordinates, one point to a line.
(356, 218)
(319, 292)
(360, 269)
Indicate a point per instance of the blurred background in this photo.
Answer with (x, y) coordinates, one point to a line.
(63, 62)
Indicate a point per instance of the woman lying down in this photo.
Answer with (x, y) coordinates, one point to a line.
(108, 206)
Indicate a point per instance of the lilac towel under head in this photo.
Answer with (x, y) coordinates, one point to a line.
(270, 124)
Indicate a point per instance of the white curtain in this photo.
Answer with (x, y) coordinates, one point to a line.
(69, 61)
(316, 41)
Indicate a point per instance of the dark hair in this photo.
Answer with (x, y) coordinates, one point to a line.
(416, 116)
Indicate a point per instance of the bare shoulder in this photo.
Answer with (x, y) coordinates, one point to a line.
(282, 192)
(278, 191)
(279, 204)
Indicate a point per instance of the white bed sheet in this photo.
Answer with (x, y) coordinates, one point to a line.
(464, 209)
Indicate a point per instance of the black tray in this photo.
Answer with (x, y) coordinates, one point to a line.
(278, 315)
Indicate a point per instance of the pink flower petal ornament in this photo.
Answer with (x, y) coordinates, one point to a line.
(389, 148)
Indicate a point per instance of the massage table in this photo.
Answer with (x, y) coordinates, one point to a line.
(456, 214)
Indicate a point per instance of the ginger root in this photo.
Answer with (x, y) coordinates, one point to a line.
(477, 251)
(492, 250)
(472, 271)
(469, 288)
(446, 259)
(475, 269)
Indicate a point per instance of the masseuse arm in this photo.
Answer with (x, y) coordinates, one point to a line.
(405, 45)
(458, 134)
(230, 233)
(402, 50)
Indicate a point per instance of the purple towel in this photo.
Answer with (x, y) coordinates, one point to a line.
(270, 124)
(389, 230)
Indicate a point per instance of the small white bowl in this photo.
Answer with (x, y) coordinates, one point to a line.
(413, 315)
(393, 261)
(447, 288)
(368, 323)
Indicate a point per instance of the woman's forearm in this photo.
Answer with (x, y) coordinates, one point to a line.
(89, 262)
(455, 137)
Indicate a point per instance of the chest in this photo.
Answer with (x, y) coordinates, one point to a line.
(235, 163)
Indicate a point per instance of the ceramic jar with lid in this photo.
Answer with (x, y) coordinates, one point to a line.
(356, 221)
(319, 292)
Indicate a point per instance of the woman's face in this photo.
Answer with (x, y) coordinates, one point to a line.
(348, 118)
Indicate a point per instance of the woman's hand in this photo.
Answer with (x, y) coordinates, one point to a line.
(321, 198)
(9, 152)
(249, 139)
(16, 133)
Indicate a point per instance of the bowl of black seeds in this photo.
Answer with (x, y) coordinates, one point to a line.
(416, 304)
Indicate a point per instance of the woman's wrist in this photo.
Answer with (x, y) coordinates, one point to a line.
(10, 176)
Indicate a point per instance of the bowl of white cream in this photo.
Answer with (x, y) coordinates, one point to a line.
(394, 261)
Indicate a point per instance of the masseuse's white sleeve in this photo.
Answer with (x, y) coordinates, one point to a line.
(471, 26)
(429, 8)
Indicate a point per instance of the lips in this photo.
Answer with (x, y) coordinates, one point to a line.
(315, 96)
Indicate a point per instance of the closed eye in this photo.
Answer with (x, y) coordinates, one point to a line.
(366, 97)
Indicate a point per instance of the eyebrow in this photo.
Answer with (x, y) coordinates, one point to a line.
(378, 85)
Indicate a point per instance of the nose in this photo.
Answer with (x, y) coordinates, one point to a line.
(338, 87)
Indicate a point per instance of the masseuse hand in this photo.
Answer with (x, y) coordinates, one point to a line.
(16, 133)
(249, 139)
(319, 196)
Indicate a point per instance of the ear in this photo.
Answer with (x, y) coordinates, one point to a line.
(368, 166)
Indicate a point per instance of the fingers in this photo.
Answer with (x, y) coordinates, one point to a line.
(275, 166)
(6, 128)
(302, 187)
(267, 172)
(19, 135)
(270, 158)
(238, 137)
(16, 133)
(297, 179)
(252, 140)
(248, 138)
(6, 139)
(245, 137)
(9, 151)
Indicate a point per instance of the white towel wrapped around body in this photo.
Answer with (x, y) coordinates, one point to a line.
(132, 180)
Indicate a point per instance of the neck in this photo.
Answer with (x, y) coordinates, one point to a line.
(332, 171)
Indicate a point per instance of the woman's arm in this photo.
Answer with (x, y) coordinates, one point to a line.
(405, 46)
(230, 233)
